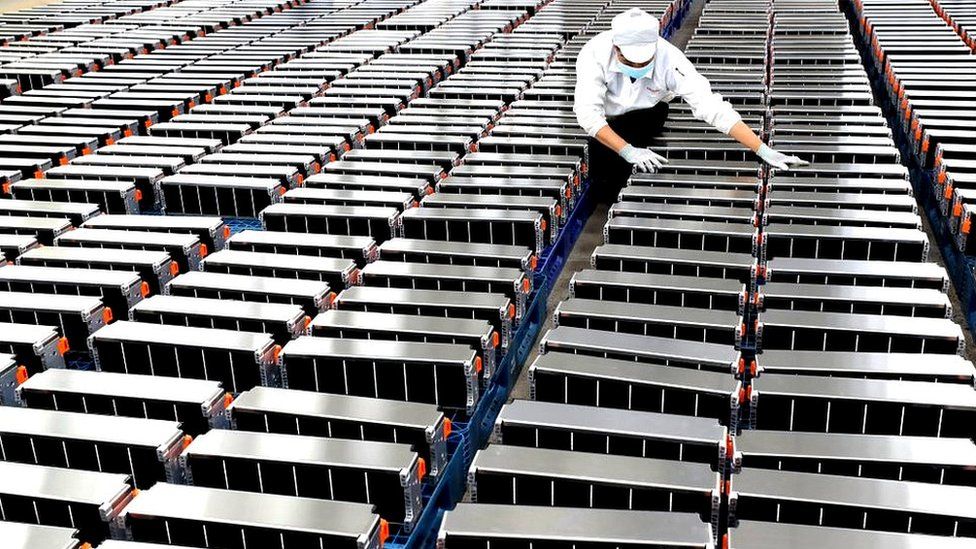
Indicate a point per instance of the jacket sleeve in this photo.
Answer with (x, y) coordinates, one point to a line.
(686, 82)
(591, 90)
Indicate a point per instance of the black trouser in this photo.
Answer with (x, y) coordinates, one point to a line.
(608, 171)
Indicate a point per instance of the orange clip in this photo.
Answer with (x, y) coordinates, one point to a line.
(495, 339)
(228, 399)
(526, 285)
(957, 209)
(448, 427)
(226, 232)
(127, 132)
(275, 353)
(174, 113)
(187, 439)
(138, 195)
(144, 289)
(6, 188)
(511, 311)
(384, 531)
(543, 225)
(299, 180)
(21, 374)
(86, 151)
(174, 268)
(421, 468)
(147, 123)
(63, 160)
(964, 228)
(282, 190)
(204, 251)
(533, 262)
(107, 315)
(63, 345)
(38, 174)
(109, 140)
(477, 364)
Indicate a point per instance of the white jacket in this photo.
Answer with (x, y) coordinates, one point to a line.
(602, 90)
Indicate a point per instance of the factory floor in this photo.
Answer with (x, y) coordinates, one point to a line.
(592, 237)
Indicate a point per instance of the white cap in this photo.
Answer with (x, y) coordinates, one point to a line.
(635, 32)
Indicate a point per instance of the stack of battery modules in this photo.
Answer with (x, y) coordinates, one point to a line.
(858, 412)
(263, 260)
(609, 449)
(734, 306)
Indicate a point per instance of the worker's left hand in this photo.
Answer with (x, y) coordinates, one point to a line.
(644, 160)
(779, 160)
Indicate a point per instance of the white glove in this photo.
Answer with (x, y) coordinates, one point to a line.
(779, 160)
(644, 160)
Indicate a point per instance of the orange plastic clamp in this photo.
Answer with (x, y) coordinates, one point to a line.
(174, 268)
(21, 374)
(204, 251)
(477, 364)
(421, 468)
(448, 427)
(226, 232)
(63, 345)
(144, 289)
(107, 315)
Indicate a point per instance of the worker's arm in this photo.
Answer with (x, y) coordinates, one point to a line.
(710, 107)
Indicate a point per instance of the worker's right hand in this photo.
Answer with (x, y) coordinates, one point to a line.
(644, 160)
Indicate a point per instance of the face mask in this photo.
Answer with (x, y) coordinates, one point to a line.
(634, 72)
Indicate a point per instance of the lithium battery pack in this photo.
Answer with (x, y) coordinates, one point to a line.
(197, 405)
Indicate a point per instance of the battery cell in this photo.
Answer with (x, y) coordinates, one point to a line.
(289, 411)
(913, 459)
(385, 475)
(185, 249)
(76, 317)
(144, 449)
(496, 309)
(640, 348)
(154, 267)
(377, 222)
(613, 431)
(608, 383)
(211, 231)
(37, 348)
(283, 322)
(751, 534)
(174, 514)
(418, 250)
(111, 196)
(556, 478)
(434, 373)
(195, 404)
(817, 331)
(18, 535)
(311, 295)
(493, 525)
(862, 406)
(850, 502)
(69, 498)
(678, 291)
(239, 360)
(942, 368)
(361, 249)
(338, 273)
(901, 274)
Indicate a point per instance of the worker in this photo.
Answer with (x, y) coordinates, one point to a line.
(625, 78)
